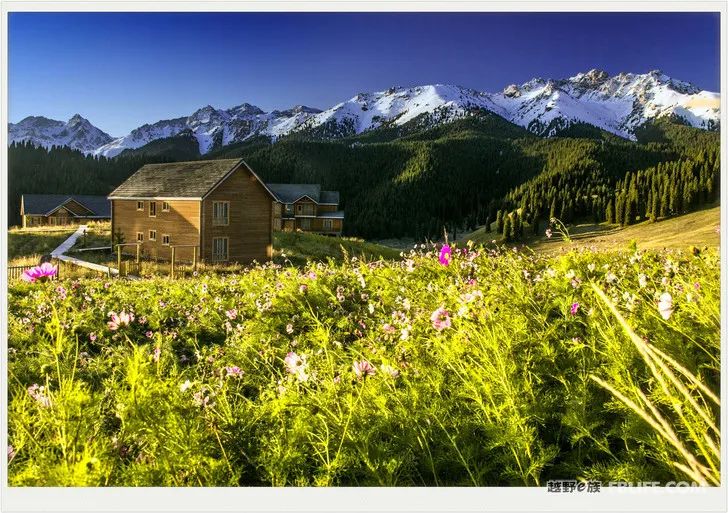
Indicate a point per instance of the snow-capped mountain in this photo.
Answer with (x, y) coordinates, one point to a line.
(617, 104)
(77, 133)
(214, 127)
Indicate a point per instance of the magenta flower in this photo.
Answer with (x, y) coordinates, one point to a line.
(445, 255)
(233, 371)
(440, 319)
(363, 368)
(40, 272)
(574, 308)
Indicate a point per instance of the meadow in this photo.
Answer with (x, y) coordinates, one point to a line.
(477, 365)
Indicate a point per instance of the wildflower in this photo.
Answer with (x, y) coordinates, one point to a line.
(445, 255)
(642, 280)
(370, 307)
(303, 289)
(363, 368)
(440, 319)
(611, 277)
(40, 272)
(61, 292)
(574, 308)
(120, 320)
(389, 370)
(549, 233)
(231, 314)
(185, 386)
(389, 329)
(38, 393)
(665, 305)
(157, 353)
(11, 453)
(149, 334)
(591, 267)
(201, 399)
(233, 371)
(289, 328)
(297, 366)
(696, 285)
(142, 320)
(92, 336)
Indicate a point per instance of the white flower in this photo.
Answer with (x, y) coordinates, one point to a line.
(642, 279)
(665, 305)
(185, 386)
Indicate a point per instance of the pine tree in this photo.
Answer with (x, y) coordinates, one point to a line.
(610, 211)
(499, 222)
(508, 229)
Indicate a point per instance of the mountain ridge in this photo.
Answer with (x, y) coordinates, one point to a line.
(618, 104)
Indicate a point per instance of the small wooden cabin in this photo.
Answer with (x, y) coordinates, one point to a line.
(62, 209)
(305, 207)
(219, 207)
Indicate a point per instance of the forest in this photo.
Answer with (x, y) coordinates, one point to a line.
(397, 182)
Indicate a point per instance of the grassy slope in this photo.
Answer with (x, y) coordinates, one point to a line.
(697, 228)
(35, 241)
(299, 247)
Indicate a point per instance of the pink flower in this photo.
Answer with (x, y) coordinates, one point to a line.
(440, 319)
(157, 353)
(120, 320)
(303, 289)
(574, 308)
(665, 306)
(234, 371)
(149, 334)
(38, 393)
(363, 368)
(389, 329)
(296, 365)
(445, 255)
(549, 233)
(232, 313)
(92, 336)
(11, 453)
(40, 272)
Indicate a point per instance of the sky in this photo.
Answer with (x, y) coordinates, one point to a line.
(121, 70)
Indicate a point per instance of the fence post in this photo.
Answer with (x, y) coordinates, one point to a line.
(137, 255)
(171, 270)
(118, 258)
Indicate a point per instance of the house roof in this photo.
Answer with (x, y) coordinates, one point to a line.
(339, 214)
(193, 180)
(292, 192)
(329, 197)
(43, 204)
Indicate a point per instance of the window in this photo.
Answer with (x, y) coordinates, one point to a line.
(140, 237)
(289, 209)
(152, 209)
(165, 240)
(152, 234)
(220, 213)
(219, 249)
(140, 205)
(328, 224)
(165, 206)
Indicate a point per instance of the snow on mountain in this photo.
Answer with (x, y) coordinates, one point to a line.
(617, 104)
(77, 133)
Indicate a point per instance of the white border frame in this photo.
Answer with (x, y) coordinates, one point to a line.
(356, 499)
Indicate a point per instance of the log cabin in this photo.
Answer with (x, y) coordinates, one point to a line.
(62, 209)
(306, 207)
(215, 210)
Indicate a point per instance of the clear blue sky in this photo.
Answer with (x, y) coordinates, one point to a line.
(120, 70)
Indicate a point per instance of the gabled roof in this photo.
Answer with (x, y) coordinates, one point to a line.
(44, 204)
(329, 198)
(292, 192)
(193, 180)
(339, 214)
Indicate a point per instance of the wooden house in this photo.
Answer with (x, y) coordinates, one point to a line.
(307, 208)
(220, 208)
(62, 209)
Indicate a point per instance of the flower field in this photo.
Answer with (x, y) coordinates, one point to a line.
(466, 366)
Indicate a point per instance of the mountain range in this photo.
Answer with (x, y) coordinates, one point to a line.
(618, 104)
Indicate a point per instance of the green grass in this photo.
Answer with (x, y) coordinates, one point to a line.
(35, 242)
(299, 248)
(515, 386)
(697, 228)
